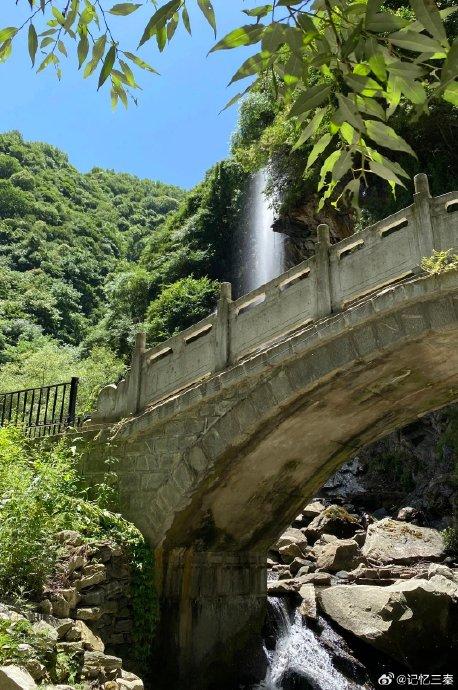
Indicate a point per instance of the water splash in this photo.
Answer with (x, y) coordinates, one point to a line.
(298, 649)
(260, 252)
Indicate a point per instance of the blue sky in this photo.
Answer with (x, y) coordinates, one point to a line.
(174, 135)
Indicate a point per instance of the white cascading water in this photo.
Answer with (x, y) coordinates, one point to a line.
(298, 649)
(260, 250)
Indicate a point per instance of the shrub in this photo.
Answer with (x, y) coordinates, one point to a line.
(440, 262)
(8, 166)
(179, 306)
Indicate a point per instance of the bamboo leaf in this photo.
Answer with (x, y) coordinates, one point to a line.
(107, 66)
(209, 13)
(243, 36)
(124, 8)
(428, 14)
(318, 149)
(418, 43)
(385, 136)
(311, 128)
(311, 98)
(158, 20)
(32, 43)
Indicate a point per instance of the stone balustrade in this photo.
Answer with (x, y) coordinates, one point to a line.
(338, 274)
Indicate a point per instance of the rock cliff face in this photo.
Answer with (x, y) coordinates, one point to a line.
(415, 466)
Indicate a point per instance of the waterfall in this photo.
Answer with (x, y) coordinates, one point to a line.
(298, 651)
(259, 251)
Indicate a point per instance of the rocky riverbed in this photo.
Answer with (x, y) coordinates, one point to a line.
(372, 596)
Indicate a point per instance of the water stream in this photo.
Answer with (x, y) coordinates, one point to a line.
(298, 658)
(259, 250)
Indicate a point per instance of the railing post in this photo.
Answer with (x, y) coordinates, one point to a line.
(223, 336)
(72, 400)
(422, 210)
(135, 374)
(323, 273)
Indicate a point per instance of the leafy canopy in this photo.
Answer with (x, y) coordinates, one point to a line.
(348, 63)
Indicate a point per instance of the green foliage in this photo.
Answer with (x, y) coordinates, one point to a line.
(61, 234)
(181, 305)
(450, 535)
(192, 242)
(356, 61)
(33, 506)
(395, 468)
(440, 262)
(42, 361)
(41, 494)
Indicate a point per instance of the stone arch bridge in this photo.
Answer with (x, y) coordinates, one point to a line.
(223, 432)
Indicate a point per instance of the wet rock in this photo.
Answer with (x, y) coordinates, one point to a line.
(293, 679)
(334, 520)
(321, 579)
(15, 678)
(341, 554)
(408, 620)
(390, 541)
(282, 587)
(307, 607)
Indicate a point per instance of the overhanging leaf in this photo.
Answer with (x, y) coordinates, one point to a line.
(318, 149)
(208, 12)
(428, 14)
(243, 36)
(418, 43)
(124, 8)
(385, 136)
(107, 66)
(311, 98)
(32, 43)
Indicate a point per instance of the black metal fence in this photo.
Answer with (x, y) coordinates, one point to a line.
(41, 411)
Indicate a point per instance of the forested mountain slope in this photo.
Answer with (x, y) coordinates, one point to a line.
(62, 235)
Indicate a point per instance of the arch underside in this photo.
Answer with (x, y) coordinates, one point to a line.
(255, 489)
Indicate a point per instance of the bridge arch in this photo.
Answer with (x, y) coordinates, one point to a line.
(213, 474)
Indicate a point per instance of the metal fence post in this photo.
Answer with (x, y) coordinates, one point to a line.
(72, 400)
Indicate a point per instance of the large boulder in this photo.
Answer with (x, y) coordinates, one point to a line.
(292, 536)
(333, 520)
(341, 554)
(390, 541)
(413, 621)
(16, 678)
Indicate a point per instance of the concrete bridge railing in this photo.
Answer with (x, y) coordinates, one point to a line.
(328, 282)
